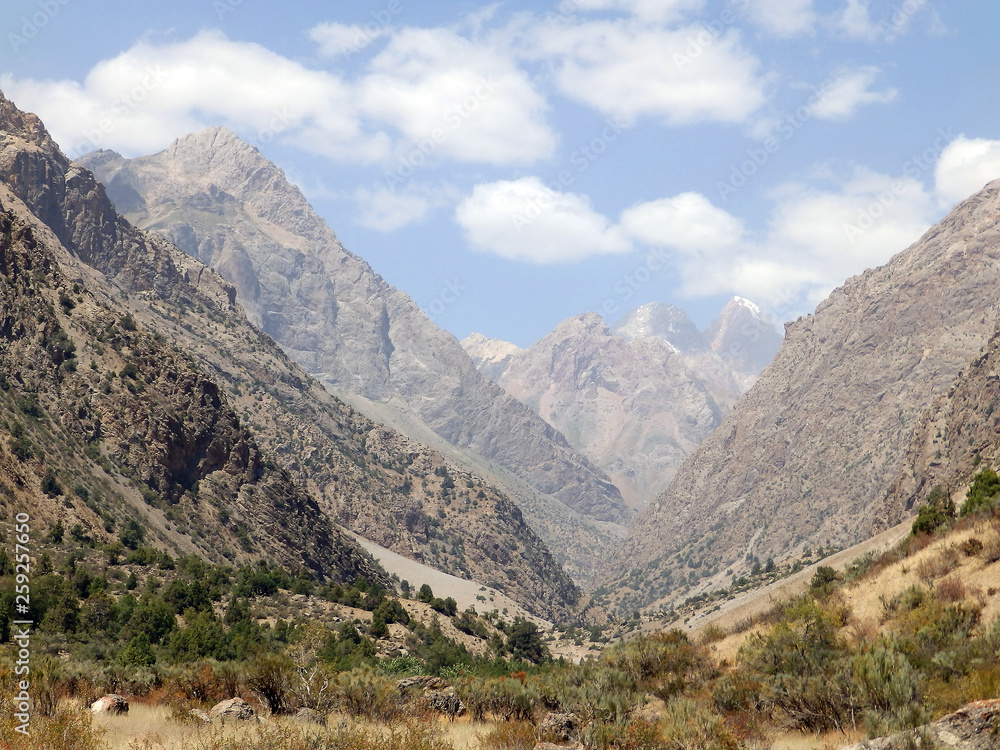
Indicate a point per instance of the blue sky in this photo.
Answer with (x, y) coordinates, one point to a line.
(510, 165)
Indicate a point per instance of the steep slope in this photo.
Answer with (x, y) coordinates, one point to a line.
(745, 341)
(221, 201)
(635, 408)
(400, 494)
(105, 423)
(957, 437)
(806, 456)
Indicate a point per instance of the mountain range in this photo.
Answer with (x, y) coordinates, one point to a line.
(637, 397)
(138, 397)
(809, 454)
(218, 199)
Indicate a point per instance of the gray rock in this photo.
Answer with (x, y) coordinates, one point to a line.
(233, 709)
(975, 726)
(113, 704)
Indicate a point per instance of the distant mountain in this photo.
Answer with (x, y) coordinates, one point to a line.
(636, 399)
(667, 322)
(221, 201)
(746, 342)
(808, 454)
(131, 367)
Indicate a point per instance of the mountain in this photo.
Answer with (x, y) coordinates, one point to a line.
(956, 437)
(221, 201)
(660, 320)
(492, 357)
(178, 413)
(807, 455)
(746, 342)
(636, 407)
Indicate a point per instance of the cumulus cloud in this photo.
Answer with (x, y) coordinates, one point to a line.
(148, 95)
(527, 221)
(782, 18)
(965, 166)
(628, 69)
(687, 222)
(469, 98)
(844, 94)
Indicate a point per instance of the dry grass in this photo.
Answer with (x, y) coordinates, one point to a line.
(968, 576)
(151, 728)
(146, 726)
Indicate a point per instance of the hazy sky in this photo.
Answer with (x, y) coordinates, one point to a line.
(512, 164)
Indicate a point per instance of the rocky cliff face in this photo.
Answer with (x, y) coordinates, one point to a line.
(224, 438)
(956, 437)
(807, 455)
(635, 407)
(221, 201)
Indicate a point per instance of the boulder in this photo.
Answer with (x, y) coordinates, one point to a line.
(197, 714)
(234, 708)
(556, 727)
(110, 704)
(975, 726)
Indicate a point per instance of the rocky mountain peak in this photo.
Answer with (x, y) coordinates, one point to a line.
(492, 357)
(224, 203)
(665, 321)
(744, 340)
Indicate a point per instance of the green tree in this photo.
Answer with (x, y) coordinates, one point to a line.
(984, 489)
(138, 652)
(524, 641)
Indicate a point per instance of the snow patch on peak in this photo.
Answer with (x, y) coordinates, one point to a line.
(744, 302)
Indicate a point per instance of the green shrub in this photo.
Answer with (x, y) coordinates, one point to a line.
(982, 493)
(937, 511)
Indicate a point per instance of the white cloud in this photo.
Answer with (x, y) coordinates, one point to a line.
(525, 220)
(652, 11)
(964, 168)
(387, 210)
(842, 96)
(687, 222)
(628, 69)
(856, 23)
(782, 18)
(145, 97)
(469, 98)
(468, 101)
(337, 39)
